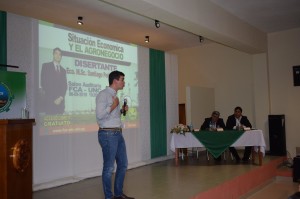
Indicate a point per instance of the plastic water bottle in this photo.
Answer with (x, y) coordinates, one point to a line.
(191, 127)
(210, 126)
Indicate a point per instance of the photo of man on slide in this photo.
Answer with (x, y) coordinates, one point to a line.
(54, 84)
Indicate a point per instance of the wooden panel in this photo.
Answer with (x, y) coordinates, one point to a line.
(3, 165)
(16, 159)
(182, 118)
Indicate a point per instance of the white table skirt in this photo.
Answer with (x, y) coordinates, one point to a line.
(249, 138)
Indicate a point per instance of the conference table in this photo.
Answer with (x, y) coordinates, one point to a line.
(217, 142)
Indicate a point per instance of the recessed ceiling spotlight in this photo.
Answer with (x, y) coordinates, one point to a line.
(80, 21)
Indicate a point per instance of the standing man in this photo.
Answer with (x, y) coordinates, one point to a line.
(108, 115)
(237, 121)
(54, 84)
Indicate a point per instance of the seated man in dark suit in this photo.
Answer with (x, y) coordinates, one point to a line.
(238, 121)
(212, 123)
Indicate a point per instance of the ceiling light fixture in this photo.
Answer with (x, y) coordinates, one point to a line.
(147, 39)
(157, 24)
(80, 21)
(201, 39)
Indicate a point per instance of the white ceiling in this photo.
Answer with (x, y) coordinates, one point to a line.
(114, 22)
(266, 15)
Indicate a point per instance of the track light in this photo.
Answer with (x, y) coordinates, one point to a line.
(80, 21)
(201, 39)
(147, 39)
(157, 24)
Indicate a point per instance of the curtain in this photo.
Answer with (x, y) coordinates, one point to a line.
(3, 57)
(158, 122)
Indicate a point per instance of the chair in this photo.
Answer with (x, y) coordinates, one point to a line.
(224, 154)
(183, 152)
(197, 151)
(207, 153)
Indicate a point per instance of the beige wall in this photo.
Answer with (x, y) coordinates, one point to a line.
(261, 84)
(228, 71)
(283, 54)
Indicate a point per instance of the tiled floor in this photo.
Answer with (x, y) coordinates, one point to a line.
(166, 180)
(281, 188)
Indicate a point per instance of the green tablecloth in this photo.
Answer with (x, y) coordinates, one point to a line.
(217, 142)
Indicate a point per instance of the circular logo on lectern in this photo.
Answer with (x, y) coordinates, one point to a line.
(21, 155)
(6, 97)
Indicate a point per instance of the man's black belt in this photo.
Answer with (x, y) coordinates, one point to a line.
(111, 129)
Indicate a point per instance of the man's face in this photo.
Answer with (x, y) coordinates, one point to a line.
(237, 113)
(57, 56)
(120, 83)
(214, 117)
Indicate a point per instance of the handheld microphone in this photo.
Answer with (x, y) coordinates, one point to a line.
(124, 105)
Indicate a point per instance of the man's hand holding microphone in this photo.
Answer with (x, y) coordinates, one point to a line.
(124, 107)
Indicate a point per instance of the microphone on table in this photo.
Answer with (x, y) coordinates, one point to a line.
(124, 105)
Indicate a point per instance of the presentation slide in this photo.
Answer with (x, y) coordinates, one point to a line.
(73, 68)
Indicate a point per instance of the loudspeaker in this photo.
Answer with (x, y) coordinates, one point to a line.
(296, 169)
(296, 75)
(277, 135)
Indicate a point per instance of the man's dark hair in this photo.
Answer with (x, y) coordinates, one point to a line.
(217, 113)
(57, 49)
(114, 75)
(238, 108)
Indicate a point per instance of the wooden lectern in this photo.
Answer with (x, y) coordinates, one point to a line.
(16, 158)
